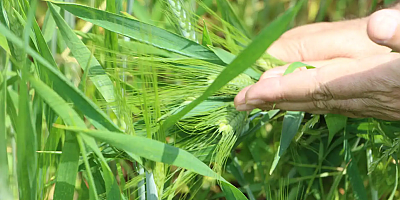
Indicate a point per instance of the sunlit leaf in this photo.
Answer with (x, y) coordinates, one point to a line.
(140, 31)
(243, 61)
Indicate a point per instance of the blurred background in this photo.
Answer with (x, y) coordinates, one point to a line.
(255, 14)
(302, 173)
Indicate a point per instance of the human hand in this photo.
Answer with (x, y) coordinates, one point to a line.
(325, 41)
(358, 87)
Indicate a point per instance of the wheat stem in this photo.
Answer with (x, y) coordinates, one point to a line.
(183, 18)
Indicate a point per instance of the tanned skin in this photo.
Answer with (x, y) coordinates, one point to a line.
(357, 73)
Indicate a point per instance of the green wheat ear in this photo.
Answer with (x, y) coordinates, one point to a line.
(163, 82)
(212, 128)
(183, 18)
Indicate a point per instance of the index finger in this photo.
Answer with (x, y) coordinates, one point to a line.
(337, 81)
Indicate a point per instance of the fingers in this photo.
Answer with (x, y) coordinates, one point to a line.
(357, 105)
(383, 28)
(279, 71)
(330, 88)
(241, 98)
(274, 72)
(324, 41)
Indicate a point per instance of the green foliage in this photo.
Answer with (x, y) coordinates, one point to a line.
(244, 60)
(137, 107)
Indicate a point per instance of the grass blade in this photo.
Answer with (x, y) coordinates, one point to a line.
(49, 26)
(206, 36)
(4, 175)
(237, 172)
(229, 15)
(67, 169)
(228, 57)
(159, 152)
(111, 38)
(182, 16)
(335, 124)
(26, 134)
(71, 118)
(397, 177)
(45, 52)
(85, 58)
(151, 188)
(353, 173)
(4, 20)
(291, 122)
(11, 108)
(296, 65)
(290, 126)
(267, 116)
(4, 44)
(140, 31)
(334, 186)
(63, 87)
(151, 149)
(242, 61)
(26, 154)
(81, 101)
(92, 190)
(232, 193)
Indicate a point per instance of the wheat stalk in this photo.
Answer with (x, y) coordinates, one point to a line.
(183, 18)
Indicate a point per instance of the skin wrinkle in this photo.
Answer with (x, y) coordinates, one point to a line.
(376, 105)
(301, 49)
(308, 106)
(354, 34)
(361, 107)
(321, 92)
(370, 79)
(324, 103)
(281, 97)
(362, 79)
(387, 115)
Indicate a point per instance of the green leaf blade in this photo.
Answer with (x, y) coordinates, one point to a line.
(67, 170)
(140, 31)
(290, 126)
(335, 124)
(242, 61)
(159, 152)
(3, 133)
(85, 58)
(206, 36)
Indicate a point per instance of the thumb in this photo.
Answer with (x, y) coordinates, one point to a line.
(384, 28)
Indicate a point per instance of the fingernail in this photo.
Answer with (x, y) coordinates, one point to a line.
(388, 26)
(244, 107)
(255, 102)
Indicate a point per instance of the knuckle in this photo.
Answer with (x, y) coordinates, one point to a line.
(278, 95)
(320, 104)
(383, 98)
(329, 105)
(321, 91)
